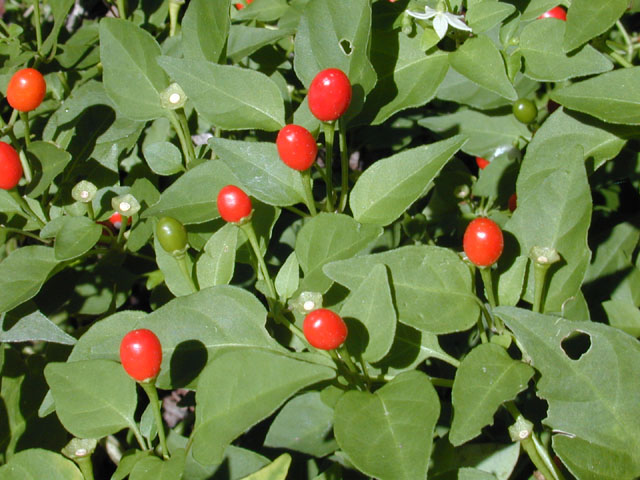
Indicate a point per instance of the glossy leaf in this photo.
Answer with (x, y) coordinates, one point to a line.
(432, 286)
(479, 60)
(132, 78)
(371, 306)
(611, 97)
(189, 199)
(485, 15)
(163, 158)
(36, 327)
(304, 425)
(487, 377)
(390, 186)
(595, 375)
(190, 328)
(240, 388)
(326, 238)
(545, 60)
(260, 171)
(23, 273)
(76, 236)
(288, 277)
(216, 265)
(205, 27)
(228, 96)
(588, 18)
(406, 76)
(554, 212)
(388, 434)
(90, 409)
(36, 463)
(485, 133)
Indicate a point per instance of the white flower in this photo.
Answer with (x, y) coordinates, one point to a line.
(441, 20)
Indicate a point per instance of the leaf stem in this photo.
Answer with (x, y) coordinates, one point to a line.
(627, 40)
(36, 14)
(176, 123)
(25, 207)
(485, 273)
(152, 393)
(540, 275)
(522, 431)
(122, 11)
(344, 162)
(86, 467)
(248, 229)
(306, 183)
(329, 131)
(174, 11)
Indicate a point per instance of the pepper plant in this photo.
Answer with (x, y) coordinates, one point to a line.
(368, 300)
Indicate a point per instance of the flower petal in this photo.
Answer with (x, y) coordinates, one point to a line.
(428, 13)
(440, 25)
(456, 22)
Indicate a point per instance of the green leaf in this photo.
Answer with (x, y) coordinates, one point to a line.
(371, 316)
(288, 277)
(612, 97)
(545, 60)
(484, 16)
(244, 40)
(535, 8)
(154, 468)
(600, 374)
(36, 327)
(47, 162)
(36, 464)
(263, 11)
(554, 211)
(174, 278)
(216, 265)
(76, 236)
(23, 273)
(480, 61)
(484, 133)
(276, 470)
(228, 96)
(406, 76)
(260, 170)
(336, 34)
(240, 388)
(587, 19)
(59, 10)
(474, 474)
(494, 458)
(163, 158)
(205, 27)
(190, 328)
(601, 142)
(132, 77)
(326, 238)
(457, 88)
(487, 377)
(623, 315)
(389, 186)
(388, 434)
(90, 409)
(304, 425)
(431, 285)
(192, 198)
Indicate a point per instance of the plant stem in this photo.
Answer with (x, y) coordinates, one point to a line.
(537, 453)
(540, 275)
(174, 11)
(621, 60)
(36, 13)
(247, 228)
(185, 143)
(344, 162)
(485, 273)
(86, 467)
(90, 211)
(152, 393)
(123, 227)
(122, 11)
(627, 40)
(441, 382)
(306, 183)
(26, 234)
(184, 268)
(182, 117)
(26, 168)
(329, 129)
(348, 372)
(25, 207)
